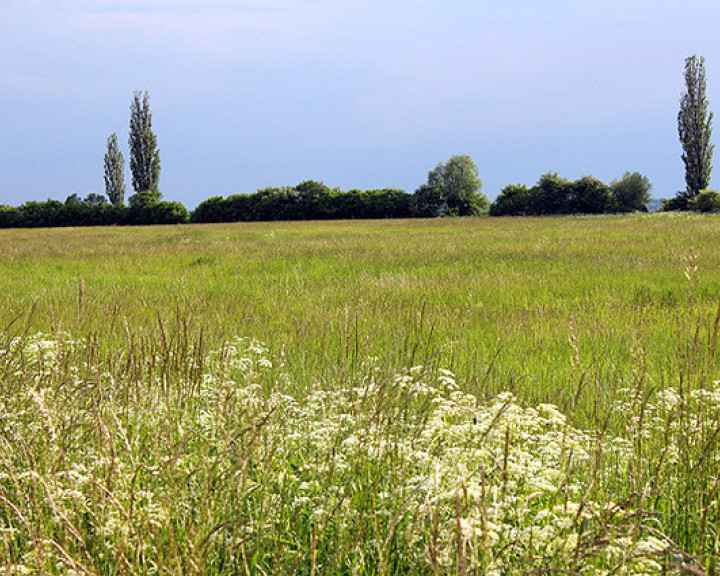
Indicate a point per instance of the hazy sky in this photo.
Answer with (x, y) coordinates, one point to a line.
(355, 93)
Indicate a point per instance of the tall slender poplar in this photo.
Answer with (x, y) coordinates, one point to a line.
(114, 172)
(695, 127)
(144, 155)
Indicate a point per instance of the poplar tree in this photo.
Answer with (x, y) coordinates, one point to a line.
(695, 127)
(144, 155)
(114, 172)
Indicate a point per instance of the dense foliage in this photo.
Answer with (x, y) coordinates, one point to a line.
(309, 200)
(90, 212)
(588, 195)
(452, 189)
(706, 201)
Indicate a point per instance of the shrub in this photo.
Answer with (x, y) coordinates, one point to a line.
(513, 200)
(210, 210)
(428, 202)
(678, 203)
(590, 196)
(706, 201)
(8, 217)
(158, 213)
(551, 195)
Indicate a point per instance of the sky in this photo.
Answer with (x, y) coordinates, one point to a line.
(361, 94)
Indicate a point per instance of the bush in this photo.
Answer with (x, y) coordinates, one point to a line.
(428, 202)
(210, 210)
(590, 196)
(678, 203)
(8, 217)
(309, 200)
(158, 213)
(551, 195)
(513, 200)
(706, 201)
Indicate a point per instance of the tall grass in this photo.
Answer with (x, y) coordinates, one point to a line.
(162, 460)
(468, 397)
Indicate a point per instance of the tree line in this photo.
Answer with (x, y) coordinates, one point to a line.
(453, 188)
(555, 195)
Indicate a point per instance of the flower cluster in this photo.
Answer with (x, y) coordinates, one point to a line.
(230, 473)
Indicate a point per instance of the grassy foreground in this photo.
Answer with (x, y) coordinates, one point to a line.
(481, 396)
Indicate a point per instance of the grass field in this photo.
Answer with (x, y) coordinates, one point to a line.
(468, 396)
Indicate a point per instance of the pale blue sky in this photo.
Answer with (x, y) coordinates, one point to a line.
(358, 94)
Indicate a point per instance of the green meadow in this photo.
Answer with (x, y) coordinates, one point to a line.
(497, 301)
(465, 396)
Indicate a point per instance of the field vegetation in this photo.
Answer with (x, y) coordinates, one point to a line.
(464, 396)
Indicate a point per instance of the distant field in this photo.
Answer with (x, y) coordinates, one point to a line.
(588, 314)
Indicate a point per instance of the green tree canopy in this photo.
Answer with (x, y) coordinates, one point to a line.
(452, 188)
(551, 195)
(631, 193)
(513, 200)
(590, 196)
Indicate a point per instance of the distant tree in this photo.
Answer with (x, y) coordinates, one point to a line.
(428, 201)
(144, 155)
(114, 172)
(452, 188)
(551, 195)
(211, 210)
(238, 208)
(513, 200)
(276, 203)
(462, 185)
(590, 196)
(678, 202)
(155, 212)
(386, 203)
(314, 200)
(46, 214)
(144, 198)
(73, 199)
(694, 128)
(9, 217)
(631, 193)
(94, 199)
(170, 213)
